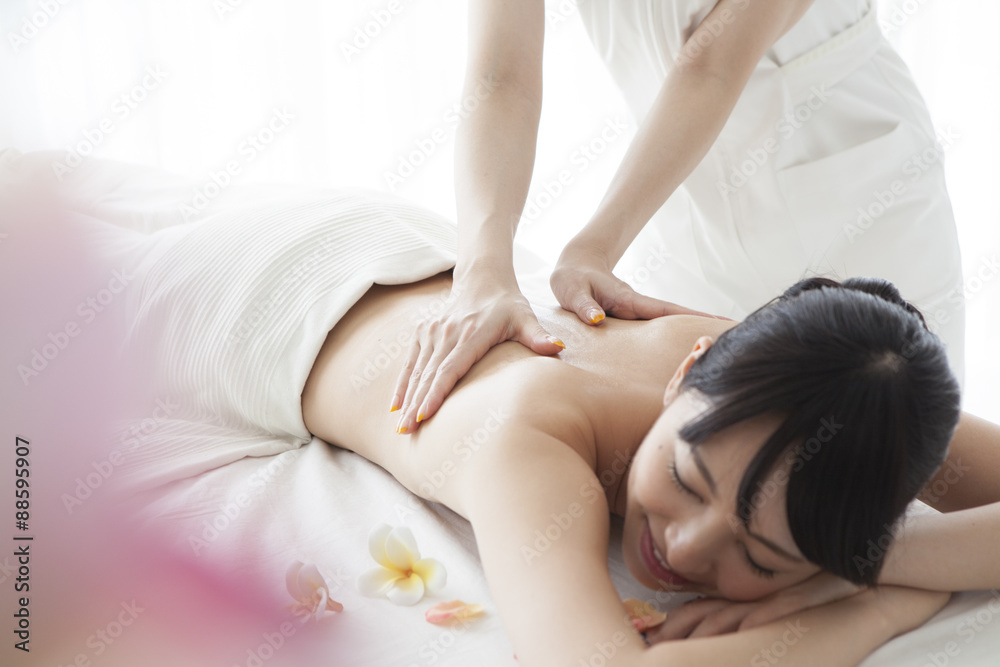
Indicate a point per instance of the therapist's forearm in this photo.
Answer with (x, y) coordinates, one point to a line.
(956, 551)
(685, 120)
(494, 158)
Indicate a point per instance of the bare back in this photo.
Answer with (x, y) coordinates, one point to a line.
(600, 396)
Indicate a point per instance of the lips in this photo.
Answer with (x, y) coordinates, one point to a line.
(649, 556)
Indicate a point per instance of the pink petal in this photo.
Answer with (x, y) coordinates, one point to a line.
(443, 612)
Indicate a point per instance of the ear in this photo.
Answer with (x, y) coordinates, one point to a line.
(673, 387)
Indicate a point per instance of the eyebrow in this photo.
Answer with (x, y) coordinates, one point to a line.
(710, 481)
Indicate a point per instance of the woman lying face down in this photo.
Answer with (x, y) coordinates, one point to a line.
(784, 449)
(791, 445)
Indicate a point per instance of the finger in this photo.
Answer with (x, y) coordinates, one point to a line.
(414, 414)
(403, 381)
(452, 369)
(642, 307)
(722, 621)
(426, 350)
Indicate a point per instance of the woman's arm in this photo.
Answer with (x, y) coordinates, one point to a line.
(541, 525)
(956, 550)
(692, 107)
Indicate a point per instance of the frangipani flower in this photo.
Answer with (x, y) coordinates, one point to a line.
(443, 612)
(311, 593)
(402, 575)
(643, 615)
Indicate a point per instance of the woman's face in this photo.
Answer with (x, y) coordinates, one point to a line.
(681, 529)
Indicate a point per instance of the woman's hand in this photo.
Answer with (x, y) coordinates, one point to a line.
(715, 616)
(480, 313)
(584, 284)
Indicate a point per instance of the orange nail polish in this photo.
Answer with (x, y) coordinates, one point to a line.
(420, 418)
(402, 429)
(559, 343)
(596, 318)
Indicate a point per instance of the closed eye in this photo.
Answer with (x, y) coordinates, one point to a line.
(757, 569)
(681, 486)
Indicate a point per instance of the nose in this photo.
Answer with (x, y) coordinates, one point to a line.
(693, 545)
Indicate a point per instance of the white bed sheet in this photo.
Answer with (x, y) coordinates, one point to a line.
(319, 503)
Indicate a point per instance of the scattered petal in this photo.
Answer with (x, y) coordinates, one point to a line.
(309, 589)
(443, 612)
(643, 615)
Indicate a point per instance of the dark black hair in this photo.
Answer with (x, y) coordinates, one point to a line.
(868, 403)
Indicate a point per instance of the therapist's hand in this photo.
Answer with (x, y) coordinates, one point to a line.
(480, 312)
(583, 283)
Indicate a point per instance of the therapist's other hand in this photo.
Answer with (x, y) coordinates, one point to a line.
(479, 314)
(584, 284)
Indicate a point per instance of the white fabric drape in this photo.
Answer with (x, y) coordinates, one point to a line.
(344, 93)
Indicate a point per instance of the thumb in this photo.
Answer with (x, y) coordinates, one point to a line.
(531, 334)
(589, 311)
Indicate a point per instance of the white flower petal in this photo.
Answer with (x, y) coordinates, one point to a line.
(401, 548)
(310, 580)
(407, 591)
(376, 581)
(292, 580)
(376, 544)
(433, 573)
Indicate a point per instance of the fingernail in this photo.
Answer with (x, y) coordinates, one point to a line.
(420, 417)
(395, 404)
(556, 341)
(402, 429)
(595, 316)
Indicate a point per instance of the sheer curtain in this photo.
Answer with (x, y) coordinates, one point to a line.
(367, 93)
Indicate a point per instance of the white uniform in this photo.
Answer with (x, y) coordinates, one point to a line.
(829, 165)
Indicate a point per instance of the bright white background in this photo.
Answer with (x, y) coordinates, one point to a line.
(229, 63)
